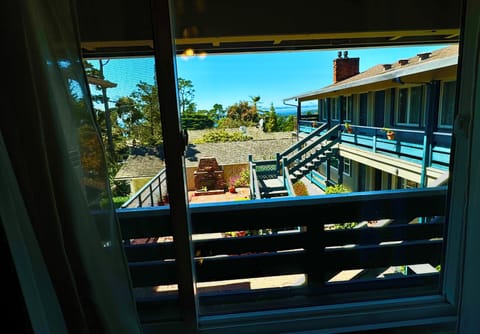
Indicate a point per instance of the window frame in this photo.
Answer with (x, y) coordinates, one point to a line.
(347, 166)
(348, 108)
(408, 111)
(459, 295)
(334, 112)
(441, 106)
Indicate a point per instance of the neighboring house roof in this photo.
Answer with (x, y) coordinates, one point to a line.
(143, 162)
(140, 166)
(393, 74)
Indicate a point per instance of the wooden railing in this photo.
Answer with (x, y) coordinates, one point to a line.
(316, 147)
(315, 251)
(410, 145)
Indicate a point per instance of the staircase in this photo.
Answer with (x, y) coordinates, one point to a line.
(298, 160)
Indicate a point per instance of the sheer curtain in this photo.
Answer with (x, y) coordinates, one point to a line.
(56, 209)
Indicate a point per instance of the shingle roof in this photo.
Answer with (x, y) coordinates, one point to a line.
(148, 162)
(140, 166)
(448, 51)
(443, 57)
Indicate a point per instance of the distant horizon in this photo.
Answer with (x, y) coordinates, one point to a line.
(227, 79)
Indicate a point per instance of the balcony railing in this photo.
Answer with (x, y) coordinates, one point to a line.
(409, 145)
(300, 243)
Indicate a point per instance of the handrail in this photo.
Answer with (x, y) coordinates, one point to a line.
(160, 177)
(287, 182)
(254, 188)
(304, 140)
(316, 142)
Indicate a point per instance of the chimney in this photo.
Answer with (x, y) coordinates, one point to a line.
(423, 56)
(344, 68)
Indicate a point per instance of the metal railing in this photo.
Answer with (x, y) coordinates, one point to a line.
(150, 194)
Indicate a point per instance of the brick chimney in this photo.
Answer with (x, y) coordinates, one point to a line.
(344, 68)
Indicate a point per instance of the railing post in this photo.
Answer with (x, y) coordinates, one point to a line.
(277, 164)
(251, 177)
(150, 190)
(315, 254)
(284, 165)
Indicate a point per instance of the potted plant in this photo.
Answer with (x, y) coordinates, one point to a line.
(348, 127)
(390, 133)
(232, 184)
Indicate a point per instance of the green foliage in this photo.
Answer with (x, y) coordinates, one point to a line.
(120, 188)
(336, 189)
(276, 123)
(119, 200)
(241, 180)
(196, 121)
(244, 179)
(243, 111)
(228, 123)
(221, 136)
(272, 121)
(149, 129)
(186, 94)
(345, 226)
(300, 188)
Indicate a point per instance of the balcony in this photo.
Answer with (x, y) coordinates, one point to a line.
(299, 244)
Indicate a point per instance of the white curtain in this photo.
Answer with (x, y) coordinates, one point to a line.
(55, 201)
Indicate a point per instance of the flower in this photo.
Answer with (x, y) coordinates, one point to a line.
(234, 180)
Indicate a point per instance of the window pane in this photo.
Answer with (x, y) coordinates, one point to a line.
(402, 109)
(448, 103)
(416, 105)
(126, 90)
(264, 250)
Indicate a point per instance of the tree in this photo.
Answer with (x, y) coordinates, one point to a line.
(243, 112)
(255, 100)
(272, 121)
(217, 112)
(146, 101)
(186, 94)
(103, 98)
(129, 114)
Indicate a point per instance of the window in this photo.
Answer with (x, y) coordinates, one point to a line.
(347, 164)
(410, 106)
(226, 304)
(447, 104)
(348, 108)
(322, 106)
(334, 109)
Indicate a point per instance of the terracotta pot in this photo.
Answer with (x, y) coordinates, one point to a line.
(232, 189)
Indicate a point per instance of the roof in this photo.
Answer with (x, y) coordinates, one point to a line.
(140, 166)
(143, 162)
(391, 73)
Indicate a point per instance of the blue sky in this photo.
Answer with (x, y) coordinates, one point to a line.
(227, 79)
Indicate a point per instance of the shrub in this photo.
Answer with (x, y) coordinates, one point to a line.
(119, 200)
(221, 136)
(336, 189)
(244, 178)
(300, 189)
